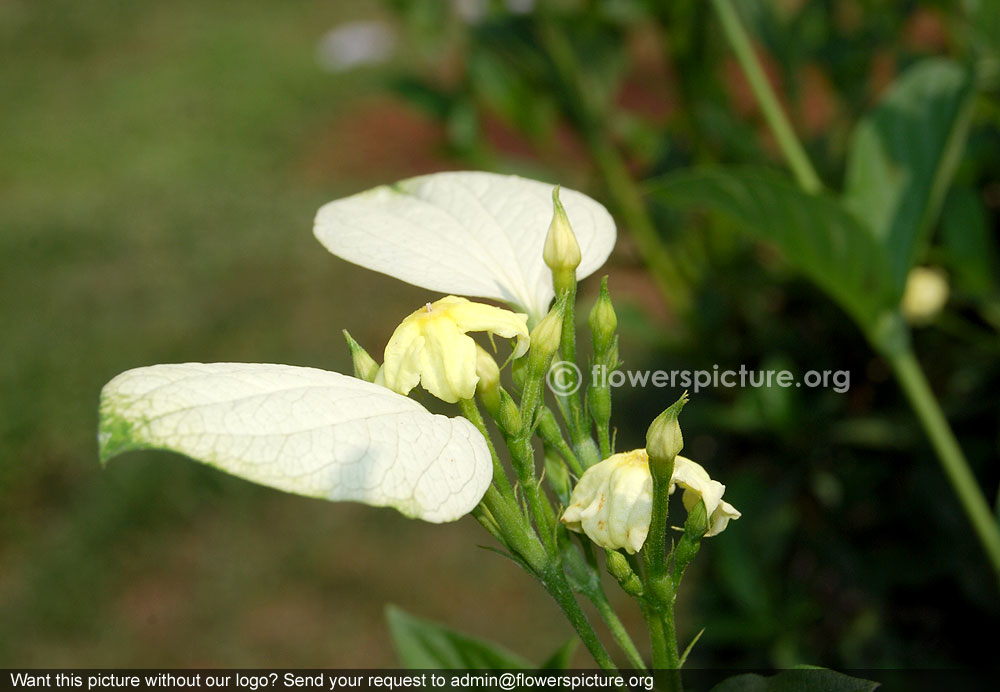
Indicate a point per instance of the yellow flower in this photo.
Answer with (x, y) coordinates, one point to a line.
(698, 485)
(613, 501)
(925, 295)
(431, 347)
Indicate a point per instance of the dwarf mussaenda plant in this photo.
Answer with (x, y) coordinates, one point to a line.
(361, 438)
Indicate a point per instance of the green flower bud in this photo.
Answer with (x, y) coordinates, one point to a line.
(545, 339)
(603, 321)
(663, 438)
(562, 251)
(488, 386)
(518, 373)
(365, 367)
(621, 570)
(509, 418)
(690, 542)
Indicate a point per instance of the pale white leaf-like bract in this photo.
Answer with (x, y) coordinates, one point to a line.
(302, 430)
(465, 233)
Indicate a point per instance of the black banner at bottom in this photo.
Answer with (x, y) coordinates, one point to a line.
(330, 680)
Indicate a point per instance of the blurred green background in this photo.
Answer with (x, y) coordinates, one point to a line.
(160, 165)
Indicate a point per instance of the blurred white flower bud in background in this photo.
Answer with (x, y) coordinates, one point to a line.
(355, 44)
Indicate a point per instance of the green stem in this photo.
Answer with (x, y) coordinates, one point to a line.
(567, 346)
(523, 457)
(604, 437)
(488, 522)
(914, 383)
(471, 411)
(657, 639)
(549, 431)
(621, 186)
(775, 116)
(908, 371)
(617, 629)
(556, 584)
(515, 529)
(655, 548)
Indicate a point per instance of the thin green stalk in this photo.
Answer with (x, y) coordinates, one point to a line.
(617, 629)
(523, 457)
(555, 582)
(608, 160)
(470, 409)
(551, 434)
(575, 420)
(914, 383)
(659, 641)
(517, 532)
(655, 548)
(778, 122)
(905, 365)
(604, 438)
(487, 521)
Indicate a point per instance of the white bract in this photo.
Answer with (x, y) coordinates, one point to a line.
(613, 501)
(301, 430)
(466, 233)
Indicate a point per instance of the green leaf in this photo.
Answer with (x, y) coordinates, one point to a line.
(562, 657)
(800, 680)
(424, 644)
(903, 154)
(968, 244)
(815, 233)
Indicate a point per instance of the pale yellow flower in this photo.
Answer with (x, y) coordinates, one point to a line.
(430, 347)
(613, 501)
(925, 295)
(698, 485)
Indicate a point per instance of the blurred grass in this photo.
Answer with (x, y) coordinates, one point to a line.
(160, 165)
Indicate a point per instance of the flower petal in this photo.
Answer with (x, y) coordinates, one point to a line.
(448, 362)
(720, 518)
(401, 359)
(477, 317)
(466, 232)
(301, 430)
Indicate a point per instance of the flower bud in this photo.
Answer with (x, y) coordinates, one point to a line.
(663, 438)
(509, 419)
(621, 570)
(603, 321)
(690, 541)
(365, 367)
(562, 251)
(545, 339)
(925, 295)
(488, 386)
